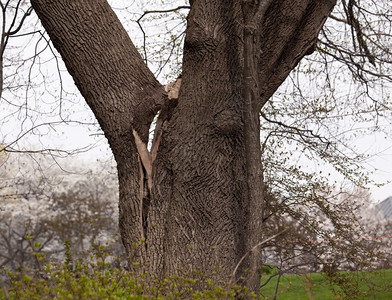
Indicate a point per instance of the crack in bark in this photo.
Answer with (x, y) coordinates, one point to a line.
(146, 158)
(145, 173)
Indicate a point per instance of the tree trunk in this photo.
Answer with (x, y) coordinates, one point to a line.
(195, 202)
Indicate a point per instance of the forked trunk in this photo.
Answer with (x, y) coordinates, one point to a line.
(194, 202)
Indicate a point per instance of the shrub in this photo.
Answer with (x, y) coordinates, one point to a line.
(96, 278)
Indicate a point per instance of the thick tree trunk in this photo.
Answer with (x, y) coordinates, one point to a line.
(197, 204)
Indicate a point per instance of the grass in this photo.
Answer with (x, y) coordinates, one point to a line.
(352, 285)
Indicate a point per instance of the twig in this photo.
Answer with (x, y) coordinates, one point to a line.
(251, 250)
(155, 12)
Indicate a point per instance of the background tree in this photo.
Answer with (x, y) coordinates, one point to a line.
(20, 240)
(304, 126)
(85, 211)
(55, 209)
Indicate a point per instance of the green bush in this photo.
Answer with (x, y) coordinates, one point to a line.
(97, 279)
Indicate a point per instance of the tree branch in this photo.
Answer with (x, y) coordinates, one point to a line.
(138, 21)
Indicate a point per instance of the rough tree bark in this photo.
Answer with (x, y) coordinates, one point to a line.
(196, 202)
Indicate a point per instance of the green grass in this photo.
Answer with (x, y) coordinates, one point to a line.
(352, 285)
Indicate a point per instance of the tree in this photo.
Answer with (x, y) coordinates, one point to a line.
(51, 208)
(84, 213)
(195, 201)
(21, 239)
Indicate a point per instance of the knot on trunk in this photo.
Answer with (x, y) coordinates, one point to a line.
(228, 122)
